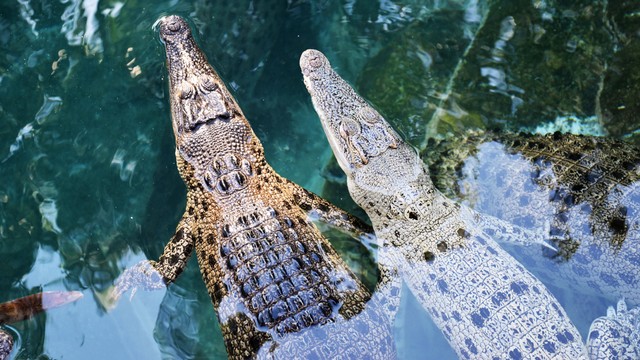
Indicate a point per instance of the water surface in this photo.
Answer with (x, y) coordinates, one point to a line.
(89, 184)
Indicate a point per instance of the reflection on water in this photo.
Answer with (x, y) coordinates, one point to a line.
(89, 178)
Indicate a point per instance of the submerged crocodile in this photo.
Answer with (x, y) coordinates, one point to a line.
(26, 307)
(278, 287)
(485, 302)
(583, 190)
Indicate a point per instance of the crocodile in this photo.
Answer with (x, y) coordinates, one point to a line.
(583, 191)
(25, 308)
(278, 287)
(486, 304)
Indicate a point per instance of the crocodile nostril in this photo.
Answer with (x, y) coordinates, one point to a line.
(315, 62)
(171, 25)
(312, 59)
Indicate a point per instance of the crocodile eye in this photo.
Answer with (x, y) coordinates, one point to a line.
(369, 115)
(208, 84)
(349, 127)
(186, 91)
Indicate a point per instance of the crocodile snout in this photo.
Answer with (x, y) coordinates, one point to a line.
(313, 63)
(171, 26)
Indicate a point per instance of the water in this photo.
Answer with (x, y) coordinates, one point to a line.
(89, 184)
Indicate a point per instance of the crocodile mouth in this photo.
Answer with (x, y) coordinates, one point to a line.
(171, 27)
(197, 95)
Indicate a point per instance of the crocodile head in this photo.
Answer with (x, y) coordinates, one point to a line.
(207, 122)
(369, 151)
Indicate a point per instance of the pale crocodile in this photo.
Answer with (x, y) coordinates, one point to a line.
(26, 307)
(583, 191)
(278, 287)
(486, 304)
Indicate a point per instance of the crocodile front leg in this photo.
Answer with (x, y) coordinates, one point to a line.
(320, 209)
(153, 275)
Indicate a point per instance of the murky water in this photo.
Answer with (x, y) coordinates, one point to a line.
(88, 179)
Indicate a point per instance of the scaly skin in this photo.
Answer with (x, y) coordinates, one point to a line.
(6, 344)
(486, 304)
(278, 287)
(585, 188)
(26, 307)
(616, 335)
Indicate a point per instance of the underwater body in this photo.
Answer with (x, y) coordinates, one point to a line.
(89, 178)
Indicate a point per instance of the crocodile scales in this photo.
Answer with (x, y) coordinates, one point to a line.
(278, 287)
(583, 189)
(486, 304)
(26, 307)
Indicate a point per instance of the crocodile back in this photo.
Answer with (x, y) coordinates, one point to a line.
(486, 304)
(276, 282)
(583, 190)
(361, 337)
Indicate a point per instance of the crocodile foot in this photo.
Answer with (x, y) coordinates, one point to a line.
(143, 275)
(616, 335)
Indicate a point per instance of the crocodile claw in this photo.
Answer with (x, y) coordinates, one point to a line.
(143, 275)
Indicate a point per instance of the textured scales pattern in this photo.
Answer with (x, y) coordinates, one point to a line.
(6, 344)
(486, 304)
(278, 287)
(617, 335)
(26, 307)
(583, 190)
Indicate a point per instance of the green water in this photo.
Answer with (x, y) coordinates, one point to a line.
(88, 179)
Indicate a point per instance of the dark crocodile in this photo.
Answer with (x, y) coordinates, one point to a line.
(278, 287)
(26, 307)
(582, 191)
